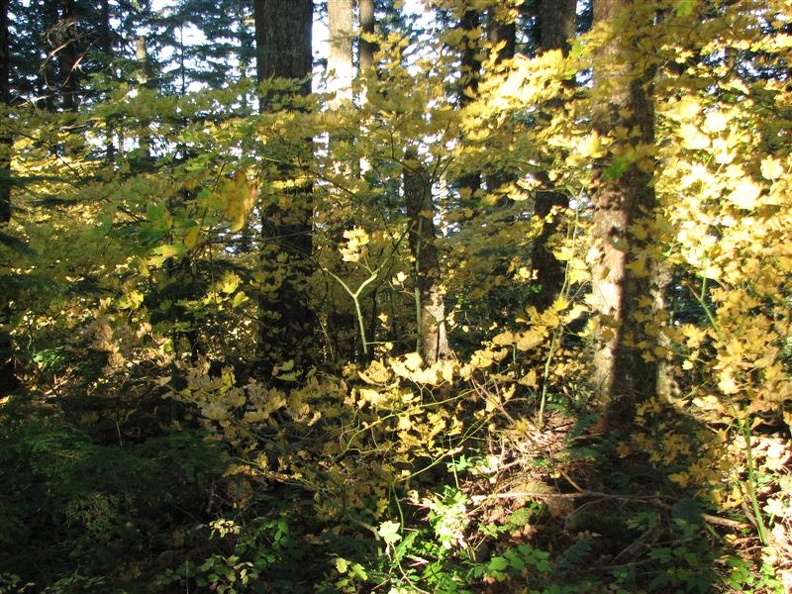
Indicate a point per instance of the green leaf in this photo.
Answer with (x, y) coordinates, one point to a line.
(498, 564)
(684, 8)
(617, 169)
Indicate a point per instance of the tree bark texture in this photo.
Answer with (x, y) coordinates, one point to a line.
(283, 32)
(624, 204)
(557, 23)
(6, 139)
(283, 40)
(340, 63)
(8, 378)
(367, 48)
(432, 333)
(469, 76)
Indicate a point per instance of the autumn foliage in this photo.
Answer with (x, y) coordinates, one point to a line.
(433, 418)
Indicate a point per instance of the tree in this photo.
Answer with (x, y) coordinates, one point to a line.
(432, 340)
(624, 204)
(557, 20)
(366, 45)
(6, 139)
(283, 51)
(8, 380)
(340, 65)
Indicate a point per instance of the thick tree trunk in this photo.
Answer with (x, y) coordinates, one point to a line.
(624, 202)
(503, 35)
(69, 57)
(6, 139)
(340, 65)
(431, 318)
(557, 23)
(288, 324)
(470, 74)
(367, 48)
(283, 40)
(8, 379)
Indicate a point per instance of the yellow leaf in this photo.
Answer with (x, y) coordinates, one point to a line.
(692, 137)
(590, 146)
(715, 122)
(771, 168)
(372, 397)
(413, 361)
(745, 194)
(688, 108)
(529, 340)
(504, 339)
(564, 254)
(529, 380)
(230, 283)
(376, 373)
(238, 196)
(577, 310)
(191, 237)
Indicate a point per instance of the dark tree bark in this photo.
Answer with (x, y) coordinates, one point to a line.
(503, 36)
(69, 56)
(431, 318)
(6, 139)
(470, 74)
(8, 379)
(367, 48)
(283, 40)
(288, 327)
(624, 276)
(557, 20)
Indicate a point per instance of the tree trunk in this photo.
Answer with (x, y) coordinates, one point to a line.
(557, 20)
(340, 65)
(432, 335)
(8, 379)
(624, 202)
(470, 74)
(69, 57)
(367, 48)
(6, 139)
(283, 31)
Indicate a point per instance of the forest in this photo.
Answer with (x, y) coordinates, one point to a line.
(375, 296)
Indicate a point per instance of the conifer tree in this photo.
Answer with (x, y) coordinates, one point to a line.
(283, 51)
(557, 20)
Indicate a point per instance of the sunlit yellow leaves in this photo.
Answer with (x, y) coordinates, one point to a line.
(372, 397)
(530, 380)
(693, 138)
(230, 282)
(771, 168)
(376, 373)
(237, 196)
(131, 299)
(591, 146)
(410, 367)
(356, 246)
(523, 341)
(687, 108)
(715, 122)
(745, 194)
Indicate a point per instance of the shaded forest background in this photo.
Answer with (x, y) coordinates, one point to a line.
(487, 296)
